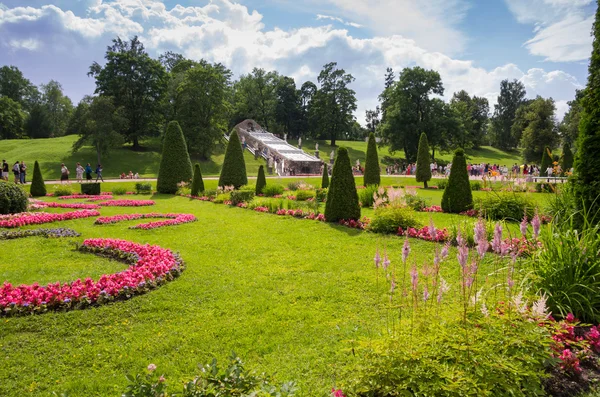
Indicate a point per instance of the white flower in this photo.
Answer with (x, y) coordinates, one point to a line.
(151, 367)
(485, 310)
(520, 304)
(539, 310)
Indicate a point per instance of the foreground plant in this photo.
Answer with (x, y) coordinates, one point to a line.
(38, 218)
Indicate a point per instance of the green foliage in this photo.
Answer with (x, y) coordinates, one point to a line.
(143, 188)
(12, 119)
(233, 172)
(365, 196)
(325, 178)
(321, 195)
(90, 188)
(175, 164)
(119, 191)
(303, 195)
(536, 128)
(567, 158)
(512, 96)
(241, 196)
(458, 196)
(388, 219)
(416, 202)
(12, 198)
(197, 182)
(295, 185)
(372, 171)
(222, 197)
(546, 161)
(541, 187)
(470, 116)
(342, 199)
(58, 106)
(423, 173)
(509, 206)
(475, 186)
(38, 187)
(273, 190)
(63, 190)
(261, 180)
(563, 206)
(442, 184)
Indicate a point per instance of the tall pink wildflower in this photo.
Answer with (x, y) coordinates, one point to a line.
(535, 223)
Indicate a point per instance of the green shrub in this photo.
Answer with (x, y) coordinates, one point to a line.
(372, 171)
(325, 178)
(210, 193)
(541, 187)
(273, 190)
(90, 188)
(295, 185)
(38, 187)
(197, 182)
(567, 158)
(321, 195)
(423, 173)
(365, 196)
(342, 199)
(119, 191)
(457, 195)
(415, 202)
(63, 190)
(175, 164)
(233, 172)
(389, 219)
(222, 197)
(563, 206)
(261, 181)
(509, 206)
(303, 195)
(241, 196)
(143, 188)
(475, 186)
(546, 161)
(442, 184)
(12, 198)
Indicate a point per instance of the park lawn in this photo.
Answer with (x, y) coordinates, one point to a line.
(288, 295)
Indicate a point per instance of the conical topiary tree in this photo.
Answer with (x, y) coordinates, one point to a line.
(342, 199)
(423, 173)
(38, 187)
(457, 195)
(233, 172)
(546, 161)
(372, 171)
(175, 164)
(197, 182)
(261, 181)
(325, 179)
(567, 158)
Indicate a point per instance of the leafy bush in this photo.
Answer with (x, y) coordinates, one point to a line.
(365, 196)
(295, 185)
(241, 196)
(475, 186)
(273, 190)
(510, 206)
(12, 198)
(325, 177)
(143, 188)
(545, 187)
(442, 184)
(567, 158)
(458, 196)
(233, 172)
(372, 172)
(546, 161)
(261, 180)
(222, 197)
(197, 182)
(62, 190)
(563, 206)
(38, 187)
(89, 188)
(321, 195)
(175, 164)
(303, 195)
(119, 191)
(389, 219)
(423, 173)
(210, 192)
(342, 199)
(415, 202)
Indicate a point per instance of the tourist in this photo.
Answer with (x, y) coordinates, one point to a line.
(17, 171)
(122, 176)
(136, 176)
(130, 176)
(332, 156)
(99, 173)
(300, 143)
(4, 170)
(88, 172)
(79, 172)
(64, 173)
(23, 172)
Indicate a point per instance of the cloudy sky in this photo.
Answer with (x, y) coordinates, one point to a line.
(473, 44)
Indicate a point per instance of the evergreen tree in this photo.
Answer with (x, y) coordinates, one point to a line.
(233, 172)
(457, 195)
(38, 187)
(175, 164)
(546, 161)
(261, 181)
(197, 182)
(567, 158)
(325, 179)
(423, 173)
(372, 171)
(342, 199)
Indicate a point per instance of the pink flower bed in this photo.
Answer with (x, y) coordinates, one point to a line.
(433, 208)
(440, 235)
(38, 218)
(172, 219)
(150, 267)
(103, 196)
(51, 204)
(127, 203)
(261, 209)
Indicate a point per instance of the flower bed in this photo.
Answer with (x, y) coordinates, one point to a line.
(127, 203)
(80, 206)
(103, 196)
(433, 208)
(149, 267)
(48, 233)
(172, 219)
(438, 235)
(38, 218)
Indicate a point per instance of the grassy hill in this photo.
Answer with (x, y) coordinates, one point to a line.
(52, 152)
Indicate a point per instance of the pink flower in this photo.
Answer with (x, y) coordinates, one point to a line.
(535, 223)
(377, 258)
(414, 277)
(386, 261)
(479, 230)
(127, 203)
(497, 240)
(151, 367)
(337, 393)
(38, 218)
(172, 219)
(524, 226)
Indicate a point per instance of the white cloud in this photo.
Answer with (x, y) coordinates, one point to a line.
(340, 20)
(27, 44)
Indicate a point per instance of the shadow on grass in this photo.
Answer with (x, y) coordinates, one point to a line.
(349, 231)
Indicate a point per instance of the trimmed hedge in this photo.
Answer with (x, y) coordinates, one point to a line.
(567, 159)
(423, 173)
(342, 199)
(143, 188)
(241, 196)
(261, 180)
(372, 171)
(197, 182)
(325, 179)
(12, 199)
(303, 195)
(175, 164)
(38, 187)
(233, 172)
(273, 190)
(457, 195)
(388, 219)
(90, 188)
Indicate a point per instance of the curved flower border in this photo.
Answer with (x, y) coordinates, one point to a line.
(103, 196)
(150, 266)
(38, 218)
(172, 219)
(127, 203)
(50, 204)
(48, 233)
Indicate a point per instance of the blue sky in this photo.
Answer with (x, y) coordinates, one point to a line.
(474, 44)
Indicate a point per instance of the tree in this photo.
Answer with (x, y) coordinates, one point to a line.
(12, 119)
(546, 160)
(255, 97)
(423, 173)
(307, 93)
(261, 181)
(535, 123)
(334, 103)
(512, 96)
(38, 123)
(137, 83)
(567, 158)
(387, 91)
(288, 110)
(233, 172)
(101, 127)
(472, 117)
(457, 195)
(569, 127)
(372, 119)
(197, 182)
(409, 110)
(372, 171)
(77, 120)
(342, 199)
(325, 177)
(38, 187)
(175, 164)
(59, 108)
(16, 87)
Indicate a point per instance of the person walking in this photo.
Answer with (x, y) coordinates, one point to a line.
(4, 170)
(17, 171)
(79, 172)
(99, 173)
(23, 174)
(88, 172)
(64, 173)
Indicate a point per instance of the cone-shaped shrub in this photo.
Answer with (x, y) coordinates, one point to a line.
(175, 164)
(342, 199)
(197, 182)
(567, 159)
(546, 161)
(423, 173)
(38, 187)
(325, 179)
(261, 181)
(457, 195)
(372, 171)
(233, 172)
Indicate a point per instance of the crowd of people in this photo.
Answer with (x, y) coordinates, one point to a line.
(19, 170)
(80, 170)
(131, 175)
